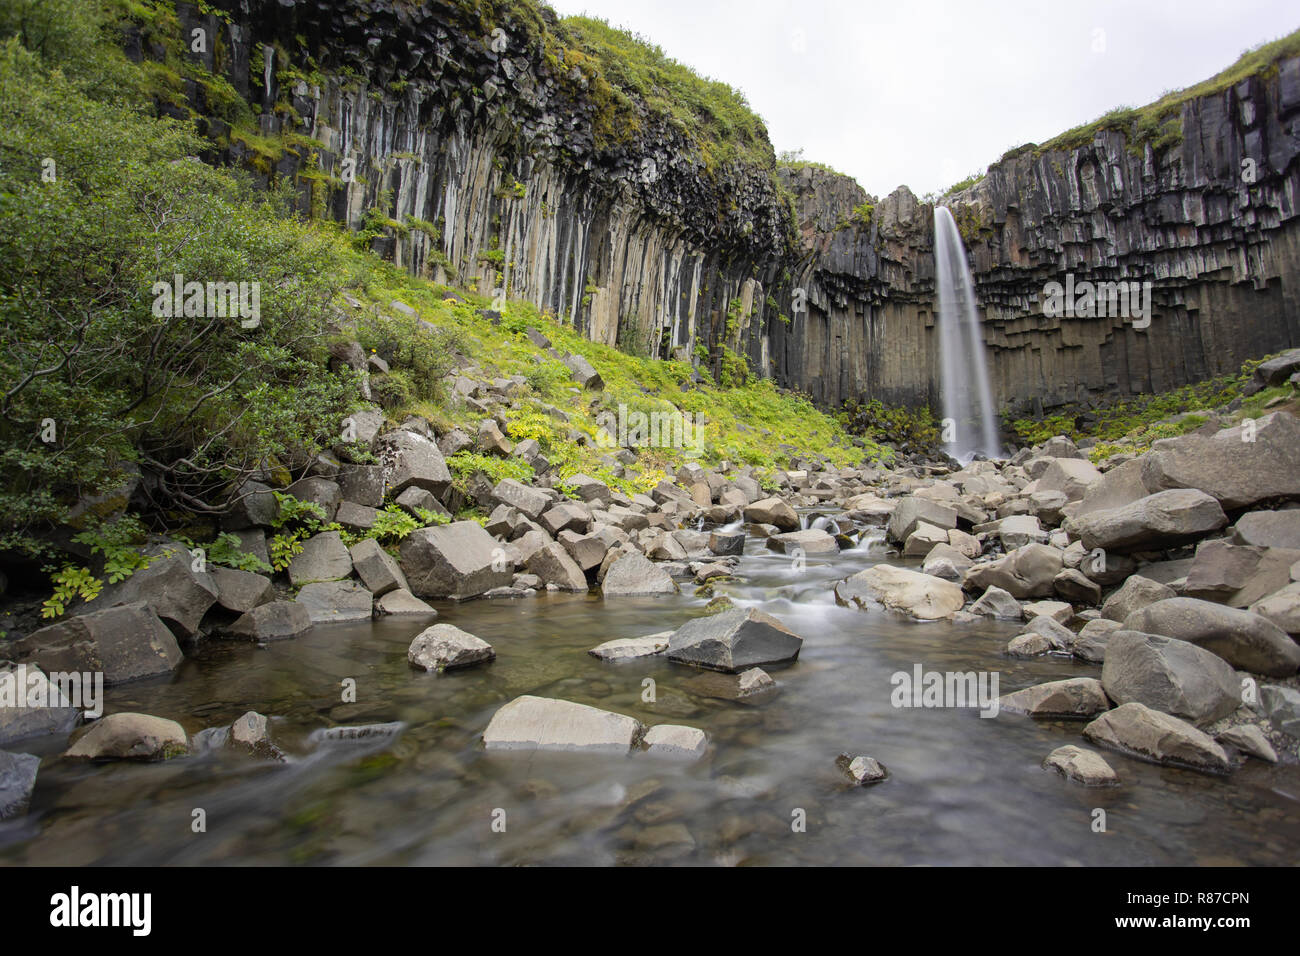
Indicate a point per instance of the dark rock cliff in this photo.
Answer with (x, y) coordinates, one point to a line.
(453, 122)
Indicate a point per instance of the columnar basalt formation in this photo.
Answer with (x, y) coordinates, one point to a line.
(485, 158)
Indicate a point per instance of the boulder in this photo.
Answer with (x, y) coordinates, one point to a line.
(1160, 520)
(124, 643)
(919, 595)
(634, 574)
(444, 647)
(724, 543)
(912, 510)
(128, 736)
(1016, 531)
(733, 641)
(1084, 766)
(1282, 607)
(17, 781)
(556, 568)
(1075, 586)
(1070, 476)
(1282, 704)
(253, 505)
(584, 373)
(675, 742)
(999, 604)
(363, 485)
(324, 557)
(1074, 697)
(753, 682)
(241, 591)
(1252, 461)
(1136, 593)
(1120, 486)
(773, 511)
(1250, 740)
(413, 461)
(1245, 640)
(1090, 643)
(1169, 675)
(631, 648)
(528, 501)
(1026, 572)
(862, 770)
(541, 723)
(336, 602)
(1220, 569)
(32, 706)
(321, 492)
(810, 541)
(457, 561)
(1147, 734)
(1268, 529)
(170, 585)
(276, 621)
(566, 516)
(376, 568)
(401, 603)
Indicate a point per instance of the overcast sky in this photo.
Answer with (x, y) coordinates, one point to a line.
(925, 92)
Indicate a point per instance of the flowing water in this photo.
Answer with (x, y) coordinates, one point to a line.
(963, 789)
(967, 396)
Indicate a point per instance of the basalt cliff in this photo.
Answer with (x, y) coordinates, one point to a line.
(479, 149)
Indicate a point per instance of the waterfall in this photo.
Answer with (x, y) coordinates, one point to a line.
(970, 418)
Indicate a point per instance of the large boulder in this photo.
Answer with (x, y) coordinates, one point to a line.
(912, 510)
(128, 736)
(528, 501)
(1254, 460)
(1268, 529)
(324, 557)
(241, 591)
(919, 595)
(124, 643)
(553, 564)
(17, 780)
(1026, 572)
(276, 621)
(336, 602)
(773, 511)
(542, 723)
(457, 561)
(170, 585)
(376, 568)
(1074, 697)
(444, 647)
(1120, 486)
(1070, 476)
(635, 574)
(32, 706)
(1147, 734)
(413, 460)
(1169, 675)
(1245, 640)
(733, 641)
(809, 541)
(1157, 521)
(998, 604)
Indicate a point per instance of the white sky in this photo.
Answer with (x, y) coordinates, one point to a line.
(925, 92)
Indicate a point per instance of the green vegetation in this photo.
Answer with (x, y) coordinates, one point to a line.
(1159, 124)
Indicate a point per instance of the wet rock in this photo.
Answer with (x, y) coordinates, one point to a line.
(241, 591)
(1245, 640)
(1160, 520)
(170, 586)
(50, 711)
(773, 511)
(1084, 766)
(723, 543)
(734, 640)
(912, 510)
(631, 648)
(921, 596)
(1074, 697)
(1136, 593)
(124, 643)
(541, 723)
(251, 733)
(811, 541)
(324, 557)
(675, 741)
(1139, 731)
(999, 604)
(1282, 704)
(445, 646)
(754, 682)
(635, 574)
(403, 603)
(1250, 740)
(457, 561)
(276, 621)
(336, 602)
(1169, 675)
(17, 781)
(376, 568)
(862, 770)
(129, 736)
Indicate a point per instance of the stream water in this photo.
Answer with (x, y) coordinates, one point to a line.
(962, 789)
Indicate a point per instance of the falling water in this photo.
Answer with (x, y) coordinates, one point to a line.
(967, 398)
